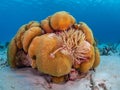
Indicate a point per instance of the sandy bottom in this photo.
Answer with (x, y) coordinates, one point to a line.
(106, 77)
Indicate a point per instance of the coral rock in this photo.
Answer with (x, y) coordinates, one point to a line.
(61, 21)
(47, 62)
(32, 24)
(11, 53)
(29, 35)
(19, 35)
(97, 58)
(61, 79)
(57, 46)
(87, 31)
(22, 59)
(45, 26)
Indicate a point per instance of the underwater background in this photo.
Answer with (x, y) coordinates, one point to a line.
(102, 16)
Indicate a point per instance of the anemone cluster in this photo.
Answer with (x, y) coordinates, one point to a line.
(57, 46)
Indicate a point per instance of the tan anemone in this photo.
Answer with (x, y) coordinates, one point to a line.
(81, 51)
(87, 65)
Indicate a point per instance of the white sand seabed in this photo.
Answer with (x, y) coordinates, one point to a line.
(106, 77)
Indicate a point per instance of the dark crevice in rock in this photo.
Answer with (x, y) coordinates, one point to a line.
(34, 57)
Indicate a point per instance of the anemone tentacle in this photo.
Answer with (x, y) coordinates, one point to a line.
(74, 44)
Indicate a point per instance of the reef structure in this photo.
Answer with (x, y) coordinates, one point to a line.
(57, 46)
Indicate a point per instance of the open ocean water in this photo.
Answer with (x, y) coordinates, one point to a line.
(102, 16)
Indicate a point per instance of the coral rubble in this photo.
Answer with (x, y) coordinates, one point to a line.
(57, 46)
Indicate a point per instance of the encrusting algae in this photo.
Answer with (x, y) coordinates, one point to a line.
(57, 46)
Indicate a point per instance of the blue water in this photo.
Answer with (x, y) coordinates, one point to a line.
(103, 16)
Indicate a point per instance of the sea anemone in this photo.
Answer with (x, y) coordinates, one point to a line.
(74, 44)
(57, 47)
